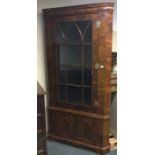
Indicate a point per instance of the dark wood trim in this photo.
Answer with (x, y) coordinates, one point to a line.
(78, 9)
(79, 143)
(80, 113)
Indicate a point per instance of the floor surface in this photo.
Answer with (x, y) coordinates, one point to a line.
(56, 148)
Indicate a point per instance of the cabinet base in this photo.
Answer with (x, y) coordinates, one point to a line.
(77, 143)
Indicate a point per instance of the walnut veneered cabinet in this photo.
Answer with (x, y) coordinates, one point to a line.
(79, 49)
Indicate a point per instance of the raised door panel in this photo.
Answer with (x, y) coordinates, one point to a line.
(89, 130)
(83, 129)
(60, 124)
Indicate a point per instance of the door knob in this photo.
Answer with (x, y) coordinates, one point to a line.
(97, 66)
(101, 66)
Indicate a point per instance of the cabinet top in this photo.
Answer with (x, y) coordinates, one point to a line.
(78, 9)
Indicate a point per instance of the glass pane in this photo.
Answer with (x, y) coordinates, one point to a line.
(74, 94)
(61, 31)
(74, 75)
(87, 76)
(82, 25)
(73, 35)
(87, 96)
(70, 54)
(59, 35)
(88, 36)
(65, 26)
(62, 72)
(74, 66)
(62, 92)
(88, 54)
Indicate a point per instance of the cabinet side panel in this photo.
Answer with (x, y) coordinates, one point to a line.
(105, 56)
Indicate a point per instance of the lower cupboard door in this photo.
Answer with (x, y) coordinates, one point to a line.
(60, 124)
(88, 130)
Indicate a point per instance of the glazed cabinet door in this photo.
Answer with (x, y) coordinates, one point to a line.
(79, 61)
(73, 45)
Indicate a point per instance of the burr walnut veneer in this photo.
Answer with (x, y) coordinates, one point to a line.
(79, 49)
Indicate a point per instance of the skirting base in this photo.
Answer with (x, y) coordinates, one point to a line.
(100, 150)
